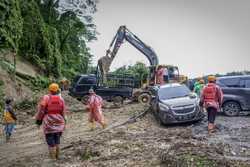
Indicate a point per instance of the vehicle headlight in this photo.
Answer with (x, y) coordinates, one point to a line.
(163, 107)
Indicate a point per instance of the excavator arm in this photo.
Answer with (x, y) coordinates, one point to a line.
(123, 34)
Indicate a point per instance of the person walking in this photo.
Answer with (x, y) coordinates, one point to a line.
(94, 105)
(211, 99)
(165, 74)
(199, 86)
(51, 113)
(9, 118)
(159, 75)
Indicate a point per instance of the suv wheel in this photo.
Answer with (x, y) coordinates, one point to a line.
(231, 108)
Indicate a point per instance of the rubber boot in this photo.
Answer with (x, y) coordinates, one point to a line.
(211, 128)
(92, 126)
(104, 125)
(57, 152)
(52, 153)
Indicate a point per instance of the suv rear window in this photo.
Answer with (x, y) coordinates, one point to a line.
(230, 82)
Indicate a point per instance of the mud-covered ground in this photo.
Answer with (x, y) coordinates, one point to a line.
(143, 143)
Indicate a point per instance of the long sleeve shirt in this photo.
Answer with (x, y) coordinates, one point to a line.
(52, 123)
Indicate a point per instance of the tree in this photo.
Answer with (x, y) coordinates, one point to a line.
(139, 71)
(10, 26)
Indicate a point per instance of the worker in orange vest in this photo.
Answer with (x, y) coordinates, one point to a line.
(211, 99)
(51, 113)
(160, 75)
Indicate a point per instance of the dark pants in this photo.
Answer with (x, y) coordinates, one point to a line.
(165, 77)
(53, 139)
(9, 127)
(211, 114)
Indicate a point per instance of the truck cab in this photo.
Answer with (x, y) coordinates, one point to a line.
(81, 85)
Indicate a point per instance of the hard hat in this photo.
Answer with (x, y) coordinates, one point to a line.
(199, 78)
(211, 78)
(54, 87)
(201, 81)
(91, 91)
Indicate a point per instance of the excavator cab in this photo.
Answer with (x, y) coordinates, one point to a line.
(172, 74)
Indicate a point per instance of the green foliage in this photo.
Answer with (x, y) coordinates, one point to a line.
(26, 104)
(87, 153)
(198, 161)
(11, 24)
(53, 41)
(188, 159)
(40, 83)
(6, 66)
(1, 96)
(139, 71)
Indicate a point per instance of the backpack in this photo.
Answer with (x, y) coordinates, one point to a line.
(54, 105)
(8, 116)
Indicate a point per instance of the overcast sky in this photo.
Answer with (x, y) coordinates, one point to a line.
(200, 36)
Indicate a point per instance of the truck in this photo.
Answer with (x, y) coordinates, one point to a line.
(143, 95)
(115, 93)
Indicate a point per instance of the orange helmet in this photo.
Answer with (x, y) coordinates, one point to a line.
(54, 87)
(201, 81)
(211, 78)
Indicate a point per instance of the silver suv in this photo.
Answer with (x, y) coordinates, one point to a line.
(175, 103)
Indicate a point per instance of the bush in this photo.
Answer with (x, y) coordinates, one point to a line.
(40, 83)
(1, 96)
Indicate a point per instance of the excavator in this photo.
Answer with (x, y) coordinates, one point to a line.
(123, 34)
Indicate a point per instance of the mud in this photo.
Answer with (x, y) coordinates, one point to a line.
(143, 143)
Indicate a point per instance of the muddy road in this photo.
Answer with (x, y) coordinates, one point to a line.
(143, 143)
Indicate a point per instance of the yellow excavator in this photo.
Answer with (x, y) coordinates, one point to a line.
(143, 94)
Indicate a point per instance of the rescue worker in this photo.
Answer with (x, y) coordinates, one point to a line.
(159, 75)
(199, 86)
(9, 118)
(196, 83)
(211, 100)
(165, 74)
(64, 84)
(51, 113)
(94, 105)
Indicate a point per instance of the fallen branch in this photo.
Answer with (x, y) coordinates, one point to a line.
(128, 121)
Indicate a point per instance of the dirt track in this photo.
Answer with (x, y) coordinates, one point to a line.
(143, 143)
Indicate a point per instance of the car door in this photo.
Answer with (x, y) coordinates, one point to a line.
(245, 84)
(230, 86)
